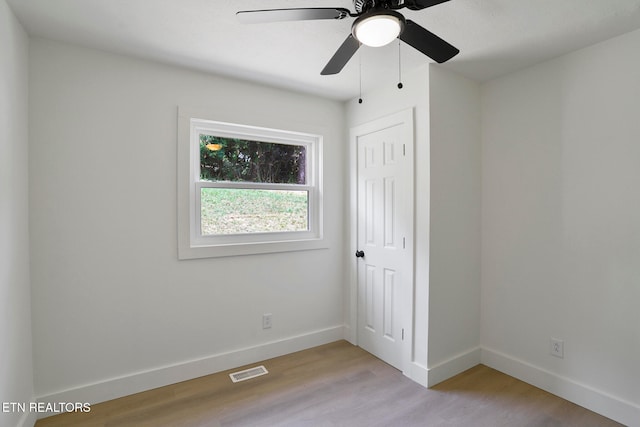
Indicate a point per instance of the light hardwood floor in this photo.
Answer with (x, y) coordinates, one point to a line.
(337, 385)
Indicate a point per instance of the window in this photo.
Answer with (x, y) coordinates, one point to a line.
(250, 190)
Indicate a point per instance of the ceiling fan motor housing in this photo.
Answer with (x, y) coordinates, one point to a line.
(362, 6)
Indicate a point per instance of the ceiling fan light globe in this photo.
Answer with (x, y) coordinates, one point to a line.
(377, 30)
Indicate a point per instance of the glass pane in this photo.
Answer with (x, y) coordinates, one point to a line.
(240, 211)
(229, 159)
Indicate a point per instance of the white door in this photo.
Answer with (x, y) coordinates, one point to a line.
(385, 238)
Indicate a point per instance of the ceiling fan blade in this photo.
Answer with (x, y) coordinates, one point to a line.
(421, 4)
(427, 42)
(303, 14)
(342, 56)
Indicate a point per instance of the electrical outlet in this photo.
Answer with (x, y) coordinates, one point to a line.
(556, 348)
(266, 320)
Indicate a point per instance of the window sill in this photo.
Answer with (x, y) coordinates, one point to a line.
(238, 249)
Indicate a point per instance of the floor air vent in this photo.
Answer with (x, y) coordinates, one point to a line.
(248, 373)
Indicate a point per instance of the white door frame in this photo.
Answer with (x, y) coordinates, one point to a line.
(401, 117)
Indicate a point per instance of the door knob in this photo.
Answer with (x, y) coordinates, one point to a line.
(359, 254)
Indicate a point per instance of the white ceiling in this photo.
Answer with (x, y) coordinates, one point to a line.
(494, 36)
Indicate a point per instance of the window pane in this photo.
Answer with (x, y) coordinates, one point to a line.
(240, 211)
(228, 159)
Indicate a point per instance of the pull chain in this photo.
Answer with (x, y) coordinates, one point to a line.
(360, 73)
(399, 67)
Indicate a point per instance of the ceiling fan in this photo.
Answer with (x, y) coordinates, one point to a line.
(377, 23)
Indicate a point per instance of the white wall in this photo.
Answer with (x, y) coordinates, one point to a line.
(561, 228)
(114, 310)
(454, 277)
(16, 372)
(380, 103)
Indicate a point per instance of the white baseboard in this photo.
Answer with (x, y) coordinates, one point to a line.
(417, 373)
(158, 377)
(453, 366)
(597, 401)
(29, 418)
(350, 335)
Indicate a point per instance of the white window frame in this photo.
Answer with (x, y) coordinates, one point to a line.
(191, 242)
